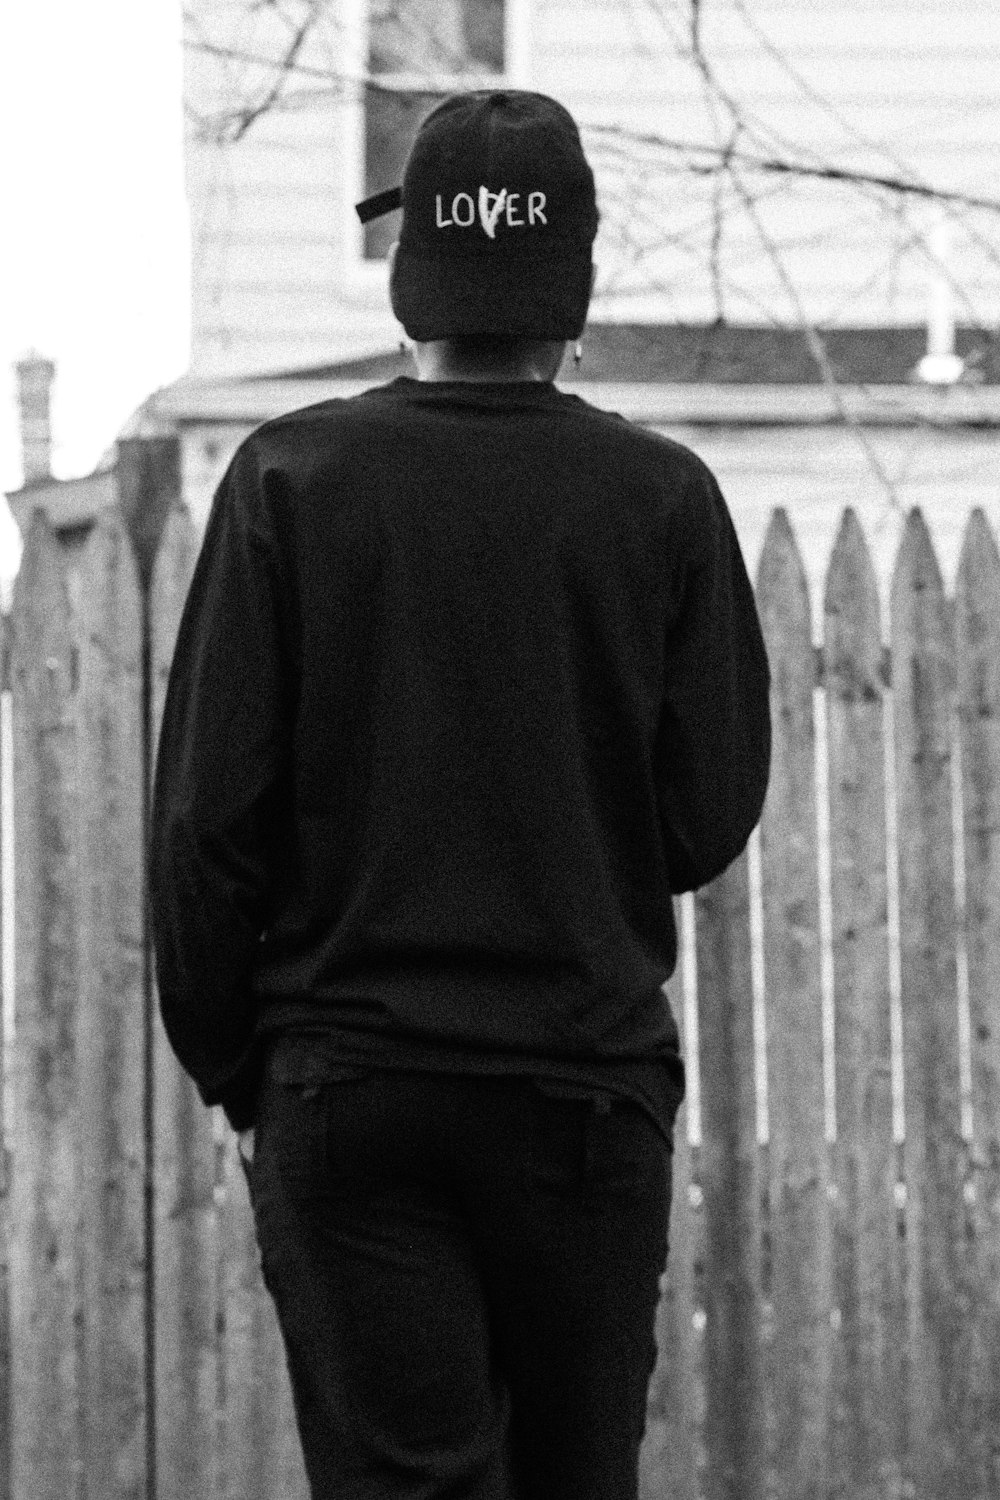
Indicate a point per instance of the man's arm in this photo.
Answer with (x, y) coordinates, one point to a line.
(221, 766)
(714, 740)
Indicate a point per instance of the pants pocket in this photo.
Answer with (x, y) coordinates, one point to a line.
(594, 1145)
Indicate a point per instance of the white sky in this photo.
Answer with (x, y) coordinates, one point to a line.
(94, 243)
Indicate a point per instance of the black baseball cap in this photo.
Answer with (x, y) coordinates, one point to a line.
(499, 217)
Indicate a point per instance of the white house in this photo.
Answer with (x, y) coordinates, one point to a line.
(797, 209)
(297, 108)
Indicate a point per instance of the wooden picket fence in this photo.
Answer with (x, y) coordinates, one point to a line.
(830, 1316)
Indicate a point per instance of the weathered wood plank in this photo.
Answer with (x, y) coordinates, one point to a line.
(262, 1456)
(868, 1378)
(234, 1396)
(148, 479)
(44, 1162)
(977, 631)
(184, 1209)
(111, 1084)
(729, 1170)
(936, 1462)
(800, 1220)
(6, 1352)
(668, 1458)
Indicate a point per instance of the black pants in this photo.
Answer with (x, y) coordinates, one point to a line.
(465, 1272)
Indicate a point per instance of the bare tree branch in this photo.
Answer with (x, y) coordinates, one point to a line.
(816, 346)
(282, 71)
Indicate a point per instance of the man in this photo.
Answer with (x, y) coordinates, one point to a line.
(469, 682)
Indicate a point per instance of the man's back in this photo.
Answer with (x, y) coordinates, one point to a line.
(509, 654)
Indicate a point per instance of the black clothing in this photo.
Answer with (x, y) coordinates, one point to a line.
(468, 682)
(465, 1274)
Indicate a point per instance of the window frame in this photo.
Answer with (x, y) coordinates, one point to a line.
(366, 279)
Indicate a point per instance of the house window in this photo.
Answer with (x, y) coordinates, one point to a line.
(418, 51)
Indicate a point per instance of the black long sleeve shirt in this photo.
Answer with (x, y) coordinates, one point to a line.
(469, 682)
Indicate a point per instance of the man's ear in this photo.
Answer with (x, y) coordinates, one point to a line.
(392, 275)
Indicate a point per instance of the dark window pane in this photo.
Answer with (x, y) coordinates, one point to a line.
(484, 34)
(424, 37)
(435, 36)
(391, 122)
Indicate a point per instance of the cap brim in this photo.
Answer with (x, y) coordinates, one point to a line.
(379, 204)
(529, 296)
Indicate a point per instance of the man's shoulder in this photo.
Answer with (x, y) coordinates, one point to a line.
(633, 437)
(321, 417)
(298, 446)
(333, 430)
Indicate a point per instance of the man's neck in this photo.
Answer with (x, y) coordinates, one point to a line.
(439, 361)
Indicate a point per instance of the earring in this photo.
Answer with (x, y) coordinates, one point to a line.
(577, 352)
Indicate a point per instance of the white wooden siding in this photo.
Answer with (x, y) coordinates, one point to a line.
(915, 79)
(918, 80)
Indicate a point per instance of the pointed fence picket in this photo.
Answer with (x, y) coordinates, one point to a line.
(829, 1323)
(937, 1332)
(186, 1288)
(977, 638)
(45, 1197)
(669, 1459)
(800, 1260)
(866, 1377)
(110, 1018)
(226, 1427)
(6, 1393)
(734, 1435)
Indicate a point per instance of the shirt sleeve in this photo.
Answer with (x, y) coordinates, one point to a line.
(222, 763)
(714, 739)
